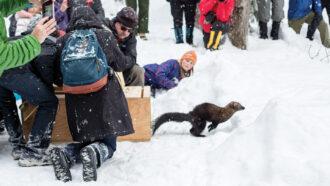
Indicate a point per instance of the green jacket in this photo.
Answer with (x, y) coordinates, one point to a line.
(19, 52)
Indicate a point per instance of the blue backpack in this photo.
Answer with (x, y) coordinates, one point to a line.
(83, 64)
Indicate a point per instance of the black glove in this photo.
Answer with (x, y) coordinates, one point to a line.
(221, 26)
(315, 23)
(210, 18)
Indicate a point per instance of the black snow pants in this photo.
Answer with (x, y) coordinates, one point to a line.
(189, 8)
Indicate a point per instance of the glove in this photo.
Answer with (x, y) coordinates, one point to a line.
(210, 18)
(315, 23)
(221, 26)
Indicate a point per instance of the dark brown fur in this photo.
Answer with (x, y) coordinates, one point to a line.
(200, 115)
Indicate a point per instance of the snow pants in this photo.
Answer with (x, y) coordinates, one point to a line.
(264, 10)
(189, 9)
(31, 88)
(296, 25)
(143, 13)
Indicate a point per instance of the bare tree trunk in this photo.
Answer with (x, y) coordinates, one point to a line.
(198, 14)
(240, 23)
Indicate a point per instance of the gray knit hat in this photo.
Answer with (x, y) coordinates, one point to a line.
(128, 17)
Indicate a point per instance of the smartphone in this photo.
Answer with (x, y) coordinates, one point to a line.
(48, 9)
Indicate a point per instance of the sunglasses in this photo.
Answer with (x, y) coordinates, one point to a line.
(124, 28)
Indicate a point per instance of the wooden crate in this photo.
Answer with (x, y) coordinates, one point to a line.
(138, 99)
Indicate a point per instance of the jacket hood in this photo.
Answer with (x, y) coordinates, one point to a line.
(83, 17)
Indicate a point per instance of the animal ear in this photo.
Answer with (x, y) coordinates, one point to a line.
(233, 105)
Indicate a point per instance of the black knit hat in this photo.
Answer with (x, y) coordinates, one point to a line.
(128, 17)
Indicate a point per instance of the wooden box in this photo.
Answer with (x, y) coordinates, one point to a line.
(138, 99)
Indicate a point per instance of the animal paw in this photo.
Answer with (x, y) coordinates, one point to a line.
(211, 127)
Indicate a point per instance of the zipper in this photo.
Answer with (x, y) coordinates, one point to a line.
(98, 66)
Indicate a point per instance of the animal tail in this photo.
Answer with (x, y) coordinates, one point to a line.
(171, 116)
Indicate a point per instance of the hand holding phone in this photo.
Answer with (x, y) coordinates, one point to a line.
(44, 28)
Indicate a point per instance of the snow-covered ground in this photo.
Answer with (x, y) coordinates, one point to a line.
(280, 139)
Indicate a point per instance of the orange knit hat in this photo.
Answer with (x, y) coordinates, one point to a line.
(191, 55)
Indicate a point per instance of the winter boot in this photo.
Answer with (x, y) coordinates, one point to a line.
(89, 160)
(30, 158)
(189, 35)
(17, 152)
(178, 35)
(61, 164)
(92, 156)
(275, 30)
(263, 30)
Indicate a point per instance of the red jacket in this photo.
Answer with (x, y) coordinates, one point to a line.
(222, 10)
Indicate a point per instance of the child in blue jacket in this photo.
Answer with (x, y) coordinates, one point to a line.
(168, 74)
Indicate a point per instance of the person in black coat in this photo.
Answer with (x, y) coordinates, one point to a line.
(122, 26)
(95, 119)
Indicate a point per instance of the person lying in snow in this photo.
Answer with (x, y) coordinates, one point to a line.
(95, 119)
(168, 74)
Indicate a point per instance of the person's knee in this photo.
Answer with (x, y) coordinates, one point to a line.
(136, 76)
(323, 25)
(49, 101)
(138, 71)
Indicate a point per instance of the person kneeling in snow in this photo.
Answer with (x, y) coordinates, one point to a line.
(300, 12)
(215, 15)
(95, 119)
(168, 74)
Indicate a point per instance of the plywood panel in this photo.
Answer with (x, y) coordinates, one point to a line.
(139, 109)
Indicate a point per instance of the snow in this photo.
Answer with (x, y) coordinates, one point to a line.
(280, 139)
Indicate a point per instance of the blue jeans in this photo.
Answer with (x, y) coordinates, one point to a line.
(31, 88)
(72, 150)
